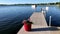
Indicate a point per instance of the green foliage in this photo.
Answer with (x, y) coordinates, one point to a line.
(28, 22)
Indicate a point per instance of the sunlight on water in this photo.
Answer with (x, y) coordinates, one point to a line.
(47, 8)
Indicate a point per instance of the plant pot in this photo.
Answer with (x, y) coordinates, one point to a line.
(27, 27)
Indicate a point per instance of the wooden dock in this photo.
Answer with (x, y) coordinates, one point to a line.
(38, 19)
(39, 25)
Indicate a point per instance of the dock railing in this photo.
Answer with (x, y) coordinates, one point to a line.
(44, 12)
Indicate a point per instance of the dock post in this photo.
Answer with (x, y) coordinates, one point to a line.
(49, 21)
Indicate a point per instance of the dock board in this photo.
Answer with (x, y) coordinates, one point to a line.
(39, 25)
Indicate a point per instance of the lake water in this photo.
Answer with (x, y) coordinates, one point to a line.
(11, 17)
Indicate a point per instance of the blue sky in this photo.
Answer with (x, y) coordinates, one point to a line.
(26, 1)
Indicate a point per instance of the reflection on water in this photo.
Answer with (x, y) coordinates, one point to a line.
(58, 6)
(47, 8)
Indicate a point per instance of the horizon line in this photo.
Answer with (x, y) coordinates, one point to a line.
(27, 3)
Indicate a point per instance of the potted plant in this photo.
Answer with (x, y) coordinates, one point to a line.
(27, 25)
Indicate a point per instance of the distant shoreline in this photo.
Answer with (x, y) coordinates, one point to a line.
(57, 3)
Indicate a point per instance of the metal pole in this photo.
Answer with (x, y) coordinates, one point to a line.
(49, 20)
